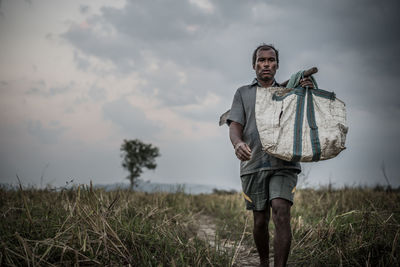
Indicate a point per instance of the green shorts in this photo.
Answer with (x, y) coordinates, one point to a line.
(261, 187)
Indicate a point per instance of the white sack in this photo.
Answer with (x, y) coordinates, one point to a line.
(277, 110)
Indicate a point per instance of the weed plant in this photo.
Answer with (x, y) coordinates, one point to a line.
(83, 226)
(346, 227)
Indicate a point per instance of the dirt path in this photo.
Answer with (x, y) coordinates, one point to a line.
(244, 256)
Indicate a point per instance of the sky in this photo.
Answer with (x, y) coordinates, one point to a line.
(79, 77)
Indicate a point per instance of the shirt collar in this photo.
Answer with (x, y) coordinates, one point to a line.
(255, 82)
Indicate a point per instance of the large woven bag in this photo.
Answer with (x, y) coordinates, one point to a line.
(298, 124)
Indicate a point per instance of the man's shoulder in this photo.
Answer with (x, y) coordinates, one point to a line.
(246, 87)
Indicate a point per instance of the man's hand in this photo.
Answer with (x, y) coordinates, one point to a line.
(306, 81)
(242, 151)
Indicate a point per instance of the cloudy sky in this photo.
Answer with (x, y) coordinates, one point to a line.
(79, 77)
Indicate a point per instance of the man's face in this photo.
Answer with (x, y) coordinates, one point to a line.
(266, 65)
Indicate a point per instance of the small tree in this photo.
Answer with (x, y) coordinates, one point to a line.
(137, 155)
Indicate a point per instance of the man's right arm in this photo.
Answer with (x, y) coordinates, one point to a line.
(242, 150)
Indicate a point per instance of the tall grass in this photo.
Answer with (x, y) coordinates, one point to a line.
(347, 227)
(350, 227)
(83, 226)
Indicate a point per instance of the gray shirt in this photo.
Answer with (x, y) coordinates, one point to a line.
(243, 112)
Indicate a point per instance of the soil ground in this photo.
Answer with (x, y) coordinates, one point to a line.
(245, 256)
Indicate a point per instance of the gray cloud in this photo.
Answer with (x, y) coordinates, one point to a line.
(46, 134)
(97, 93)
(222, 41)
(81, 61)
(118, 50)
(166, 30)
(131, 120)
(29, 2)
(40, 88)
(60, 89)
(84, 9)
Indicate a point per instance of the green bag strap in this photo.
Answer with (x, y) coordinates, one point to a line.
(295, 80)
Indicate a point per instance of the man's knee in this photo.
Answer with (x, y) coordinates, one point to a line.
(261, 219)
(280, 210)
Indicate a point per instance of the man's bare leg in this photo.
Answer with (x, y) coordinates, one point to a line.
(261, 236)
(283, 235)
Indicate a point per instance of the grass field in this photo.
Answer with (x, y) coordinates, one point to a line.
(83, 226)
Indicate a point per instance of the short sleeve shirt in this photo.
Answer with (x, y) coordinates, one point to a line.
(243, 112)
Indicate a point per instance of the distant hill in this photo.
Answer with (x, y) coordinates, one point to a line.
(143, 186)
(150, 187)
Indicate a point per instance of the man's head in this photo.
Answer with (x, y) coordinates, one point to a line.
(265, 47)
(265, 63)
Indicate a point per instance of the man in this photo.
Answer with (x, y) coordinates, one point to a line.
(267, 182)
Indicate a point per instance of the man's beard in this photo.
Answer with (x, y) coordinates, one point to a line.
(265, 79)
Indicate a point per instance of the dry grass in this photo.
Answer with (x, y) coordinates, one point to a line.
(82, 226)
(350, 227)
